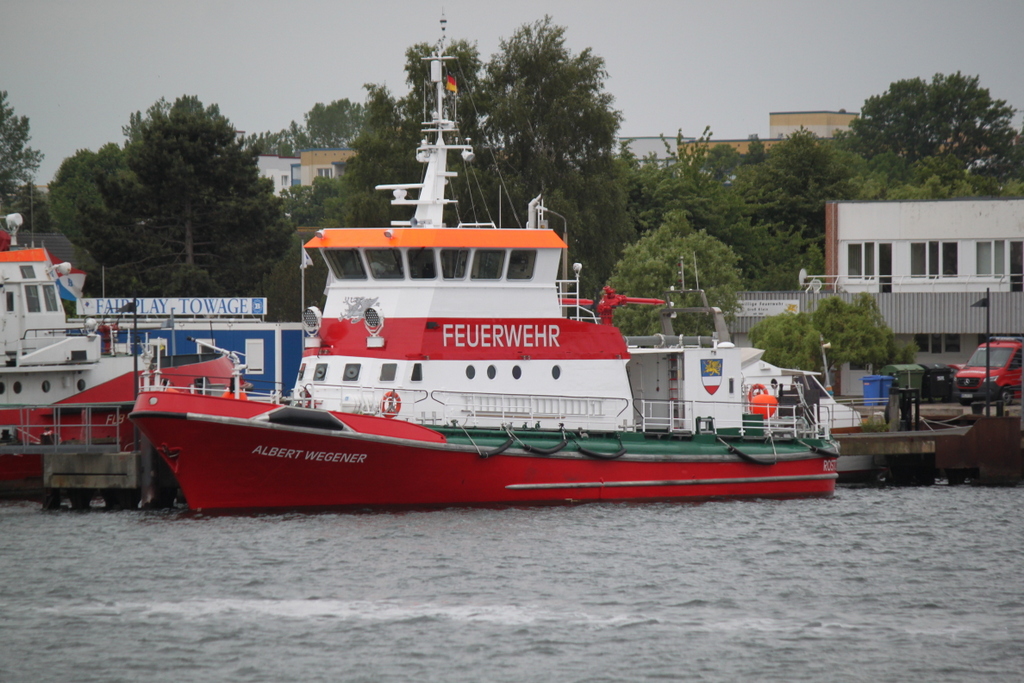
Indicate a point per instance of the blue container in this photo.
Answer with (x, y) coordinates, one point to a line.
(876, 389)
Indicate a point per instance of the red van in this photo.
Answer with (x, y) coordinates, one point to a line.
(1003, 371)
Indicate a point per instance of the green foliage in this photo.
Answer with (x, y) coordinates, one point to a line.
(651, 267)
(321, 204)
(953, 115)
(188, 214)
(18, 162)
(284, 284)
(34, 207)
(857, 332)
(789, 340)
(325, 126)
(74, 191)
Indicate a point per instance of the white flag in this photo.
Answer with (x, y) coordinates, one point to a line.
(306, 261)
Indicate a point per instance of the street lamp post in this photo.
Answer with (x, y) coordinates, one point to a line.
(984, 303)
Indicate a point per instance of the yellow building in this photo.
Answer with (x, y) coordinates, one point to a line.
(323, 163)
(823, 124)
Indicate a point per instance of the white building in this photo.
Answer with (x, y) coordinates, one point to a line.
(927, 263)
(282, 171)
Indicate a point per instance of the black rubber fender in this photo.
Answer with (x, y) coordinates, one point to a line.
(745, 456)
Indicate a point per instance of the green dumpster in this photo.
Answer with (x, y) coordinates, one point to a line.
(907, 375)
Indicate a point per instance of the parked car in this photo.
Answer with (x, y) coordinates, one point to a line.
(1004, 372)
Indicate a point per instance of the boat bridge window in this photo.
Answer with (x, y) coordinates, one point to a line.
(302, 371)
(32, 298)
(321, 372)
(488, 264)
(351, 372)
(421, 264)
(453, 263)
(388, 371)
(50, 297)
(345, 264)
(417, 372)
(385, 264)
(28, 272)
(10, 302)
(520, 264)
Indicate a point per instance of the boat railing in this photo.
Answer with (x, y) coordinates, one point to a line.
(692, 417)
(477, 409)
(363, 399)
(571, 305)
(76, 427)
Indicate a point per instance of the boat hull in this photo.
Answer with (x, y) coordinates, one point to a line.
(225, 459)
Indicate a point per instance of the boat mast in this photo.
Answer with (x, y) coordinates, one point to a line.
(430, 201)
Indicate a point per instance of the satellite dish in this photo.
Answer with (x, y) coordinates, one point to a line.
(803, 275)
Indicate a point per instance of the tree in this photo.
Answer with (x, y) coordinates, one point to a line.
(785, 197)
(858, 333)
(74, 191)
(651, 267)
(34, 207)
(189, 215)
(953, 115)
(18, 162)
(789, 340)
(326, 125)
(552, 130)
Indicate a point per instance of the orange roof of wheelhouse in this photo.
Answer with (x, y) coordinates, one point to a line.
(37, 254)
(494, 238)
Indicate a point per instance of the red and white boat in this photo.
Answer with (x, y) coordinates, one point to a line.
(63, 381)
(451, 366)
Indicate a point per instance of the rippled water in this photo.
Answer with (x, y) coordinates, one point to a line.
(873, 585)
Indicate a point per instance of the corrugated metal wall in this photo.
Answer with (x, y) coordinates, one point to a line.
(916, 313)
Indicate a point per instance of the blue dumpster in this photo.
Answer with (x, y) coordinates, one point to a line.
(876, 389)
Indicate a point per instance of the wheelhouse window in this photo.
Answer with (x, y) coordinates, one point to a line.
(345, 264)
(520, 264)
(453, 263)
(388, 371)
(50, 298)
(421, 264)
(28, 272)
(385, 264)
(487, 264)
(32, 298)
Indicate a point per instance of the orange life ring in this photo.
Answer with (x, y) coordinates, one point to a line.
(756, 390)
(390, 404)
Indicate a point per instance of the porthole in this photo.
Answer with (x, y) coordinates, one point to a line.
(81, 385)
(17, 387)
(517, 372)
(556, 372)
(491, 372)
(470, 371)
(46, 386)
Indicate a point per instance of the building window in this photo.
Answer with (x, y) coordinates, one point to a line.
(934, 259)
(991, 258)
(324, 173)
(861, 260)
(936, 343)
(921, 342)
(952, 343)
(284, 181)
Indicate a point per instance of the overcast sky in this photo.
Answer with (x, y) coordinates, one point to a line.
(79, 68)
